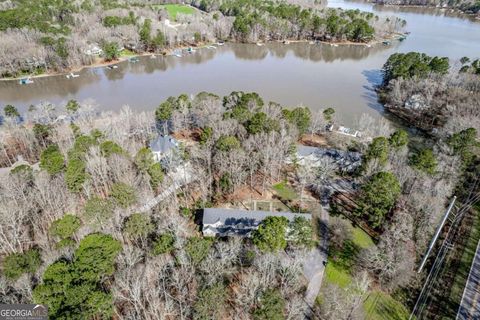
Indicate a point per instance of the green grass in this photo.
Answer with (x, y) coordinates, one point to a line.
(174, 9)
(337, 274)
(127, 53)
(381, 306)
(284, 191)
(341, 262)
(361, 238)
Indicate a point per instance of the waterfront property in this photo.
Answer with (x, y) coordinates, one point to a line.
(165, 150)
(346, 161)
(221, 222)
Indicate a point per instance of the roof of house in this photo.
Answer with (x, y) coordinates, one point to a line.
(163, 144)
(226, 222)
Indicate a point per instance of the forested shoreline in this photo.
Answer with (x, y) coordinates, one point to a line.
(470, 7)
(44, 36)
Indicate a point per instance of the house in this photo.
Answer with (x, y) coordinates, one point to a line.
(93, 50)
(166, 150)
(221, 222)
(346, 161)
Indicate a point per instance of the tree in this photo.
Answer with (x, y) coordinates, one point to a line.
(110, 50)
(156, 175)
(138, 226)
(227, 143)
(328, 114)
(424, 160)
(271, 306)
(377, 197)
(300, 232)
(108, 148)
(463, 143)
(398, 139)
(42, 132)
(270, 235)
(17, 264)
(95, 257)
(52, 160)
(205, 135)
(98, 210)
(378, 150)
(300, 117)
(210, 303)
(10, 111)
(163, 244)
(198, 248)
(72, 106)
(144, 159)
(75, 175)
(145, 32)
(159, 40)
(123, 194)
(260, 122)
(74, 288)
(65, 227)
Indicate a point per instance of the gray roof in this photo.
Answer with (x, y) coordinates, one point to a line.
(163, 144)
(344, 159)
(240, 222)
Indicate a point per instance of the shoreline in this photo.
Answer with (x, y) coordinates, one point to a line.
(169, 52)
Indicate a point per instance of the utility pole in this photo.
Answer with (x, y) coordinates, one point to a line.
(437, 233)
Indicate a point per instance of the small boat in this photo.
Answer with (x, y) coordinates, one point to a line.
(335, 45)
(177, 53)
(191, 50)
(134, 60)
(72, 75)
(286, 42)
(25, 81)
(211, 47)
(153, 56)
(401, 38)
(259, 44)
(369, 45)
(311, 42)
(386, 43)
(112, 67)
(220, 43)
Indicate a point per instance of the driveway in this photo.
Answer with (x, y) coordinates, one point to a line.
(470, 304)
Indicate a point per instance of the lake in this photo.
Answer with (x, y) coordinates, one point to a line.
(314, 75)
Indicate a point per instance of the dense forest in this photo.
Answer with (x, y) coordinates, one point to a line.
(49, 35)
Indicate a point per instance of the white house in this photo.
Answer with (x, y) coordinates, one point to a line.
(93, 50)
(235, 222)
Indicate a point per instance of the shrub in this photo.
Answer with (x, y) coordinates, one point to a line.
(65, 227)
(138, 226)
(52, 160)
(123, 194)
(17, 264)
(163, 244)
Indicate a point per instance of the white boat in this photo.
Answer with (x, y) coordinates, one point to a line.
(25, 81)
(311, 42)
(112, 67)
(220, 43)
(211, 47)
(72, 75)
(335, 45)
(153, 56)
(259, 44)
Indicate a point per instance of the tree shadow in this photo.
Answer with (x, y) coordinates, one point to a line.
(374, 78)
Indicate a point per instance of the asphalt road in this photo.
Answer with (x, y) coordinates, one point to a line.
(314, 267)
(470, 304)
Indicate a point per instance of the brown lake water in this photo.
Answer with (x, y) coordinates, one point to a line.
(315, 75)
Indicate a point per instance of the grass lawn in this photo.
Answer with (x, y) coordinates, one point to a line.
(336, 274)
(381, 306)
(340, 262)
(174, 9)
(127, 53)
(284, 191)
(361, 238)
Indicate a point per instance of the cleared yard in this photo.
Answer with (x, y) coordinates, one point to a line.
(381, 306)
(285, 192)
(174, 9)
